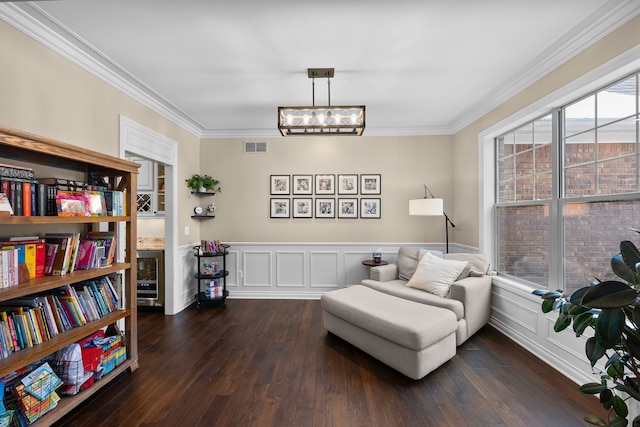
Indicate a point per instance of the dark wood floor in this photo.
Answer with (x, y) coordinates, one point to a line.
(271, 363)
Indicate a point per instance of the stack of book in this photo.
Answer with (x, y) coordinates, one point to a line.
(26, 196)
(29, 321)
(36, 393)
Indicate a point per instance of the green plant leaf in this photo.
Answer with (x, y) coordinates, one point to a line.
(636, 422)
(618, 422)
(606, 395)
(562, 323)
(609, 294)
(620, 407)
(596, 421)
(592, 388)
(622, 270)
(547, 305)
(609, 327)
(581, 322)
(594, 350)
(630, 253)
(629, 390)
(575, 310)
(576, 297)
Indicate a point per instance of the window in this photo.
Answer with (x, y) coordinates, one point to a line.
(583, 207)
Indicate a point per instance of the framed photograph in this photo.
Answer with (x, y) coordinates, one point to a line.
(303, 208)
(347, 208)
(280, 208)
(302, 184)
(370, 184)
(370, 208)
(70, 203)
(347, 184)
(280, 185)
(325, 208)
(326, 184)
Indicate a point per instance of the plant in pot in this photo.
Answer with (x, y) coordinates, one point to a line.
(203, 184)
(611, 309)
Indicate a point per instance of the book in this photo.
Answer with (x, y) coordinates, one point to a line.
(107, 240)
(86, 253)
(62, 256)
(34, 253)
(52, 250)
(5, 206)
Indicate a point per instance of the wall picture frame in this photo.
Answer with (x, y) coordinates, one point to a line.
(347, 208)
(302, 184)
(348, 184)
(325, 208)
(370, 208)
(370, 184)
(302, 208)
(280, 184)
(280, 208)
(325, 184)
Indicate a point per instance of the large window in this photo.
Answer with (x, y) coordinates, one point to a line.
(568, 189)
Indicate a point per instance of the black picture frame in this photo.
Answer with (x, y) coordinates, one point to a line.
(348, 184)
(370, 184)
(348, 208)
(302, 184)
(302, 208)
(370, 208)
(325, 207)
(280, 185)
(280, 208)
(325, 184)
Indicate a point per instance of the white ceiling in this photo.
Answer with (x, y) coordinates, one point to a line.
(420, 66)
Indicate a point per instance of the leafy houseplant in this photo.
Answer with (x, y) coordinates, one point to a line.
(612, 310)
(198, 183)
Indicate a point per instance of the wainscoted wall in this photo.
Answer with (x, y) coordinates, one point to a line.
(291, 270)
(517, 314)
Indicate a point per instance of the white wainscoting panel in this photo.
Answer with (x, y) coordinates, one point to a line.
(290, 269)
(324, 269)
(257, 271)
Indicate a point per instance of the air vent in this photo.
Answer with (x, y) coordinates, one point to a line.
(255, 147)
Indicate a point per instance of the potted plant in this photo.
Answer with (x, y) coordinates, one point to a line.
(612, 310)
(203, 184)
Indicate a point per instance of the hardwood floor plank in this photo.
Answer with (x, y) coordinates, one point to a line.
(272, 363)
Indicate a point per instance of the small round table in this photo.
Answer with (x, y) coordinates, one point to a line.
(372, 263)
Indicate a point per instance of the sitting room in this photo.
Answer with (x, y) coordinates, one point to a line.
(332, 214)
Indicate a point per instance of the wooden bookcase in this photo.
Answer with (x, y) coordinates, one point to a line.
(27, 148)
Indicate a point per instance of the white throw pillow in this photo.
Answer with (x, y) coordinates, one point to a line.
(435, 275)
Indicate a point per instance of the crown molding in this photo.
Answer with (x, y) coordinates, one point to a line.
(607, 19)
(32, 21)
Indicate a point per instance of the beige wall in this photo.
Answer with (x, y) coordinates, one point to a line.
(405, 163)
(466, 177)
(45, 94)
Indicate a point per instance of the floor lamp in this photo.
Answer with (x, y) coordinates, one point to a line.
(431, 206)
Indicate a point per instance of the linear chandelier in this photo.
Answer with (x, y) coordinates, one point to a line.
(321, 120)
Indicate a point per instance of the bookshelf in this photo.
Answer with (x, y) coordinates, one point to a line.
(23, 147)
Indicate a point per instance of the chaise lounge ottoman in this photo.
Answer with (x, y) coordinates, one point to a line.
(412, 338)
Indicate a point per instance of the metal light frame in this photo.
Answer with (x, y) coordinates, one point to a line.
(321, 120)
(431, 206)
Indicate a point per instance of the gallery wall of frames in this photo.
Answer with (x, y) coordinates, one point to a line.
(326, 196)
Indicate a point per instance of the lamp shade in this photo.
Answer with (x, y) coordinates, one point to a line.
(426, 207)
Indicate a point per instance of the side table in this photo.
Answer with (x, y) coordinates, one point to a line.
(372, 263)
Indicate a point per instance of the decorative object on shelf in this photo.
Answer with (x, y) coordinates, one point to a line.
(203, 184)
(321, 120)
(211, 208)
(430, 206)
(198, 210)
(612, 309)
